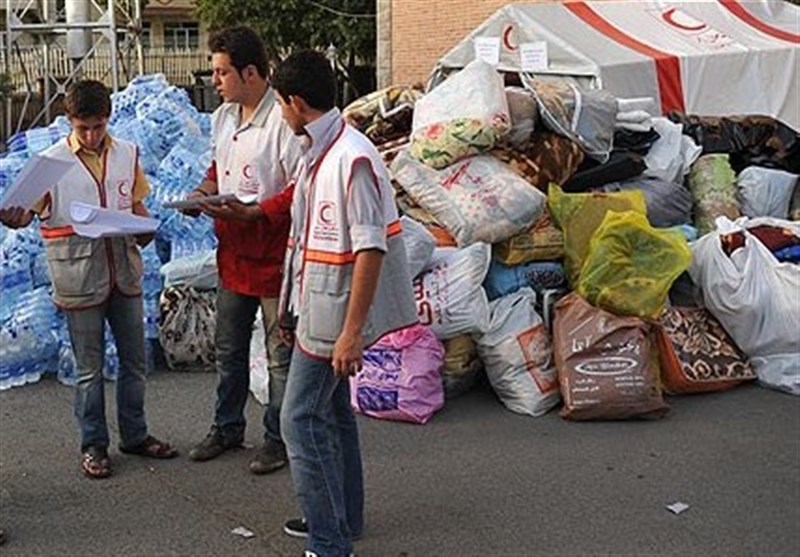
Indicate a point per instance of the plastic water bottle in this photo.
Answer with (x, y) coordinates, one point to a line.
(67, 373)
(111, 364)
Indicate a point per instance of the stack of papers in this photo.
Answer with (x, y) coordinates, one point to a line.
(96, 222)
(35, 179)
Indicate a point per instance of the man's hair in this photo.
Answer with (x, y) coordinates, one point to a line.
(243, 46)
(87, 99)
(307, 74)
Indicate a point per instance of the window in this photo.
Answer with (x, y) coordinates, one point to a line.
(182, 35)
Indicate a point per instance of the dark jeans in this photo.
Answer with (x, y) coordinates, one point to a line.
(86, 333)
(236, 314)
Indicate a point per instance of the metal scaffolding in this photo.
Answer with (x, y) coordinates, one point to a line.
(79, 28)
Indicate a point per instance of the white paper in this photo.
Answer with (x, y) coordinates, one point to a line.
(678, 507)
(242, 531)
(487, 49)
(97, 222)
(35, 179)
(533, 56)
(247, 199)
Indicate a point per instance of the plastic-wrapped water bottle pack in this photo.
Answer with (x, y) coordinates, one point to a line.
(174, 152)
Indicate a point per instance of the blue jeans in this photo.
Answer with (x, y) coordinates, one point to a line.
(236, 314)
(86, 333)
(321, 437)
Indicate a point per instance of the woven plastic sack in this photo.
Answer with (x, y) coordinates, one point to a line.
(713, 186)
(579, 214)
(401, 377)
(607, 365)
(631, 266)
(463, 116)
(188, 322)
(419, 245)
(477, 200)
(449, 295)
(518, 356)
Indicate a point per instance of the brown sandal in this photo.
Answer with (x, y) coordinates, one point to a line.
(95, 463)
(151, 448)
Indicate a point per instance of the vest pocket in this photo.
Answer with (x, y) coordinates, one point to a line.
(71, 268)
(326, 315)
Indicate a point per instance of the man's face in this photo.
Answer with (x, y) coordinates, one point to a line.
(90, 131)
(291, 115)
(229, 83)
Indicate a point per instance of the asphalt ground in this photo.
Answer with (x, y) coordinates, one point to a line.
(476, 480)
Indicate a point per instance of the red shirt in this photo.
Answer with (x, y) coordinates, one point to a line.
(250, 254)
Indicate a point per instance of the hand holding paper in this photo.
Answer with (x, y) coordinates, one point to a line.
(38, 176)
(97, 222)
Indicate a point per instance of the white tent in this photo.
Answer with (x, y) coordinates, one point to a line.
(707, 57)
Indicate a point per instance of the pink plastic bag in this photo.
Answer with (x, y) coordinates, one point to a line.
(401, 377)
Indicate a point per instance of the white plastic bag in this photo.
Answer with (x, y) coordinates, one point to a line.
(479, 199)
(518, 355)
(449, 295)
(419, 245)
(474, 92)
(765, 192)
(259, 364)
(671, 156)
(198, 271)
(755, 298)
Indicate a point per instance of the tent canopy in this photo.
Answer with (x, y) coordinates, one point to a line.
(707, 57)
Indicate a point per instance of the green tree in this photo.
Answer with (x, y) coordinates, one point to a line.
(286, 25)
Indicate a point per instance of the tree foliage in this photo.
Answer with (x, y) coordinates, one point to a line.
(285, 25)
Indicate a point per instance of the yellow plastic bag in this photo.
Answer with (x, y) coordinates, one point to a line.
(579, 214)
(631, 266)
(541, 242)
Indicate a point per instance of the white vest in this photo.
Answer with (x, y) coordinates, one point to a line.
(84, 271)
(326, 267)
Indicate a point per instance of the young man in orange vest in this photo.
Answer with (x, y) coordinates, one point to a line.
(346, 283)
(98, 280)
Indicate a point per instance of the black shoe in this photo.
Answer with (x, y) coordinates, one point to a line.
(296, 528)
(269, 458)
(213, 445)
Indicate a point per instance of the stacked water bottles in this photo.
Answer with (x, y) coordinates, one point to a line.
(174, 152)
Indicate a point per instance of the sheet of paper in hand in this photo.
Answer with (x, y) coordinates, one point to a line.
(97, 222)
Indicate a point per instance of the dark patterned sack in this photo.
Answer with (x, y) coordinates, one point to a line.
(546, 158)
(751, 140)
(188, 321)
(383, 115)
(696, 353)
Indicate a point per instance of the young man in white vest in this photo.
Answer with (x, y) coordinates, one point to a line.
(255, 152)
(346, 283)
(98, 280)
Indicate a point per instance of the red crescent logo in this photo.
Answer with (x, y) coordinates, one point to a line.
(507, 38)
(326, 212)
(669, 17)
(247, 171)
(122, 188)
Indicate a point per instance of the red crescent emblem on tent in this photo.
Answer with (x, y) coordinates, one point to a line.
(670, 17)
(247, 171)
(507, 38)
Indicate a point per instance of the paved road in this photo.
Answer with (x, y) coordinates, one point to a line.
(476, 480)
